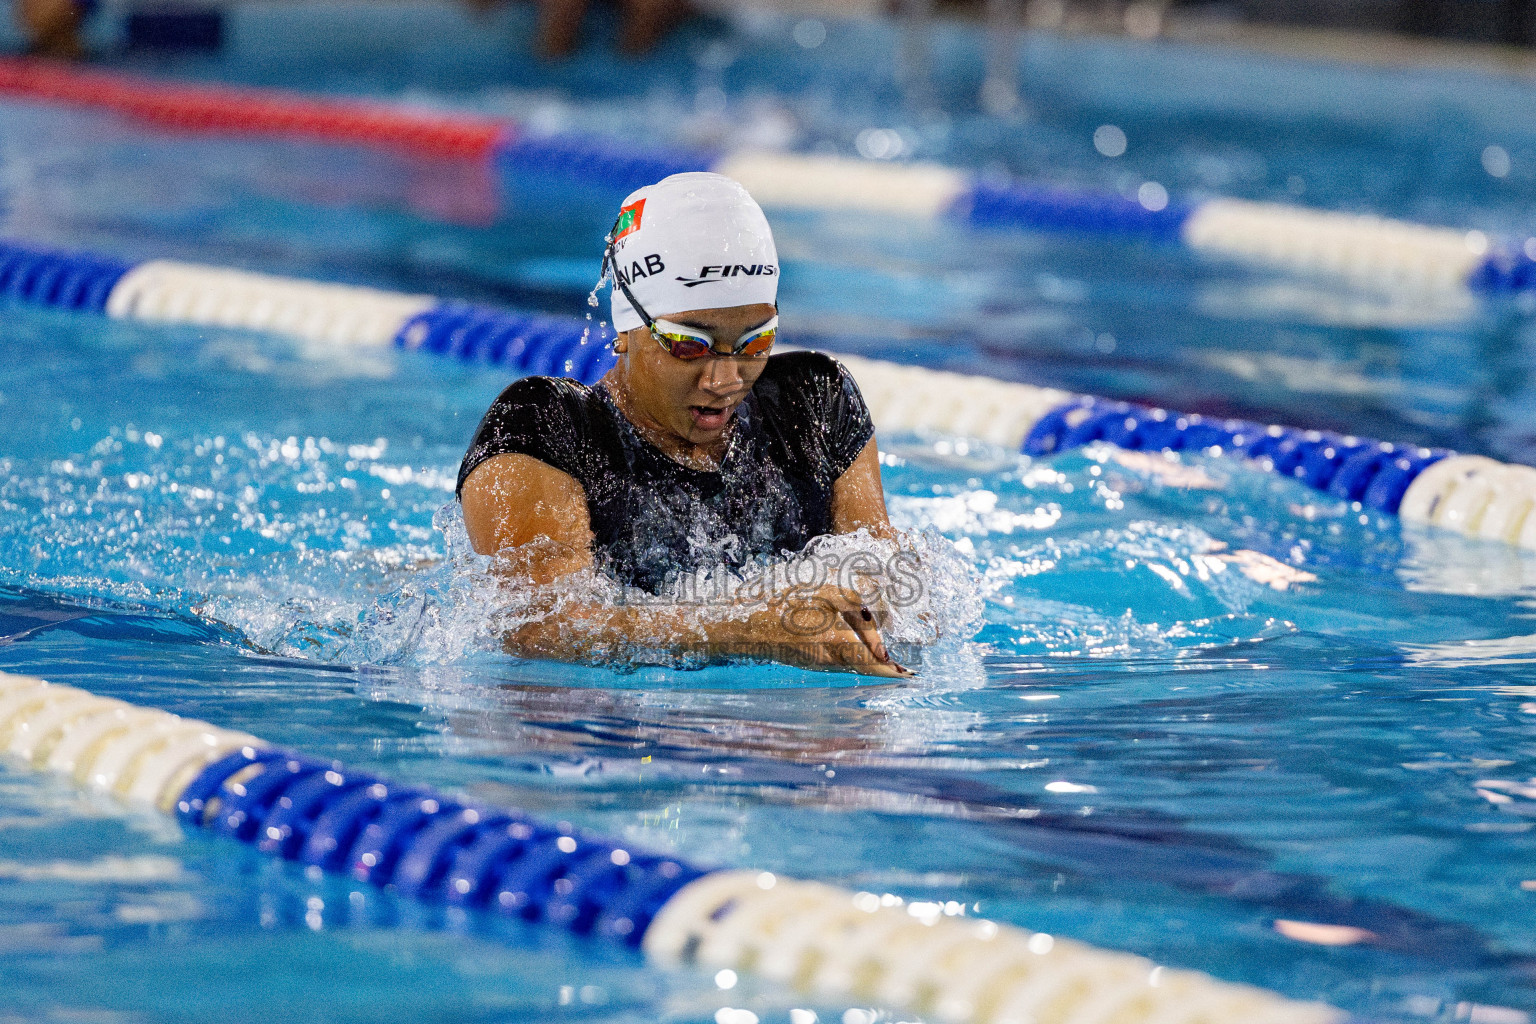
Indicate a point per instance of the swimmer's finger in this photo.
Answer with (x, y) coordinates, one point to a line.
(873, 599)
(842, 651)
(843, 599)
(876, 595)
(886, 669)
(864, 626)
(852, 655)
(857, 654)
(862, 663)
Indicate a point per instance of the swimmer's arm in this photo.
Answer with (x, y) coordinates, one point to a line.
(858, 502)
(858, 498)
(510, 501)
(534, 519)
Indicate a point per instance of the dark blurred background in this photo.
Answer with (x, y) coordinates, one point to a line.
(1510, 22)
(1487, 21)
(56, 27)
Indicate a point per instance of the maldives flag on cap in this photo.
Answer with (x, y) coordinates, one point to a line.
(629, 219)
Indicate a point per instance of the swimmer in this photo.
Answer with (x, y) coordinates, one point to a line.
(700, 448)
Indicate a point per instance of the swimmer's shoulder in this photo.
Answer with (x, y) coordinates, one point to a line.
(804, 377)
(551, 419)
(544, 393)
(803, 388)
(805, 371)
(544, 404)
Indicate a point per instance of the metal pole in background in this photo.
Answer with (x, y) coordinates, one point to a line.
(914, 71)
(1000, 88)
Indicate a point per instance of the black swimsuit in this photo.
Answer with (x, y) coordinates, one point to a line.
(797, 432)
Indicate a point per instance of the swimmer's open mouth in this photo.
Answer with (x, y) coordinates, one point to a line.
(709, 417)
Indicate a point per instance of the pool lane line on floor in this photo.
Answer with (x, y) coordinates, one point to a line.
(817, 939)
(1468, 494)
(1375, 252)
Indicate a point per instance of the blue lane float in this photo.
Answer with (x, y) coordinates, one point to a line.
(1507, 270)
(1014, 204)
(431, 847)
(1374, 473)
(529, 343)
(597, 162)
(63, 280)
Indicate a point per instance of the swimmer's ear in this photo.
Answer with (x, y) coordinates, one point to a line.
(621, 342)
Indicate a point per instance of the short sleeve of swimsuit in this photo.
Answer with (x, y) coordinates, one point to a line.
(848, 414)
(541, 417)
(819, 410)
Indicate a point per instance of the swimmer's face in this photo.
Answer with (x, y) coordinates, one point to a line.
(693, 399)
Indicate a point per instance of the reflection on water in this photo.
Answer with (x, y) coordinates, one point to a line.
(1438, 563)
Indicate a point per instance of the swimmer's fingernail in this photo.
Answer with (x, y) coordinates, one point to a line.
(903, 670)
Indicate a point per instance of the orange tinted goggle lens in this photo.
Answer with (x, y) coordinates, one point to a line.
(759, 343)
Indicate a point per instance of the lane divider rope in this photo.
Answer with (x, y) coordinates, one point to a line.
(1363, 250)
(817, 939)
(173, 292)
(224, 109)
(1467, 494)
(1374, 474)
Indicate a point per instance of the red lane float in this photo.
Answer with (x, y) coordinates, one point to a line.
(221, 109)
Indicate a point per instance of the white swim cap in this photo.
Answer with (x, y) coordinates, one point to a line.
(691, 241)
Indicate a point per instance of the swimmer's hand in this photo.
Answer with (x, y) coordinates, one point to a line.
(830, 627)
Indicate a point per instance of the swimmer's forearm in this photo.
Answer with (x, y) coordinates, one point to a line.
(595, 632)
(640, 633)
(818, 634)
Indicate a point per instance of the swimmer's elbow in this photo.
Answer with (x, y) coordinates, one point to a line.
(531, 640)
(542, 561)
(577, 634)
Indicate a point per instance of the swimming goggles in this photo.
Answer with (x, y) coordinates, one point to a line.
(683, 342)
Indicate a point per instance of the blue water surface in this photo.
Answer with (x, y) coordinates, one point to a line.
(1200, 700)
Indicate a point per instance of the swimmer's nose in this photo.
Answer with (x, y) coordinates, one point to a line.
(722, 377)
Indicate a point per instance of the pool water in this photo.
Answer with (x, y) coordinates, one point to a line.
(1199, 702)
